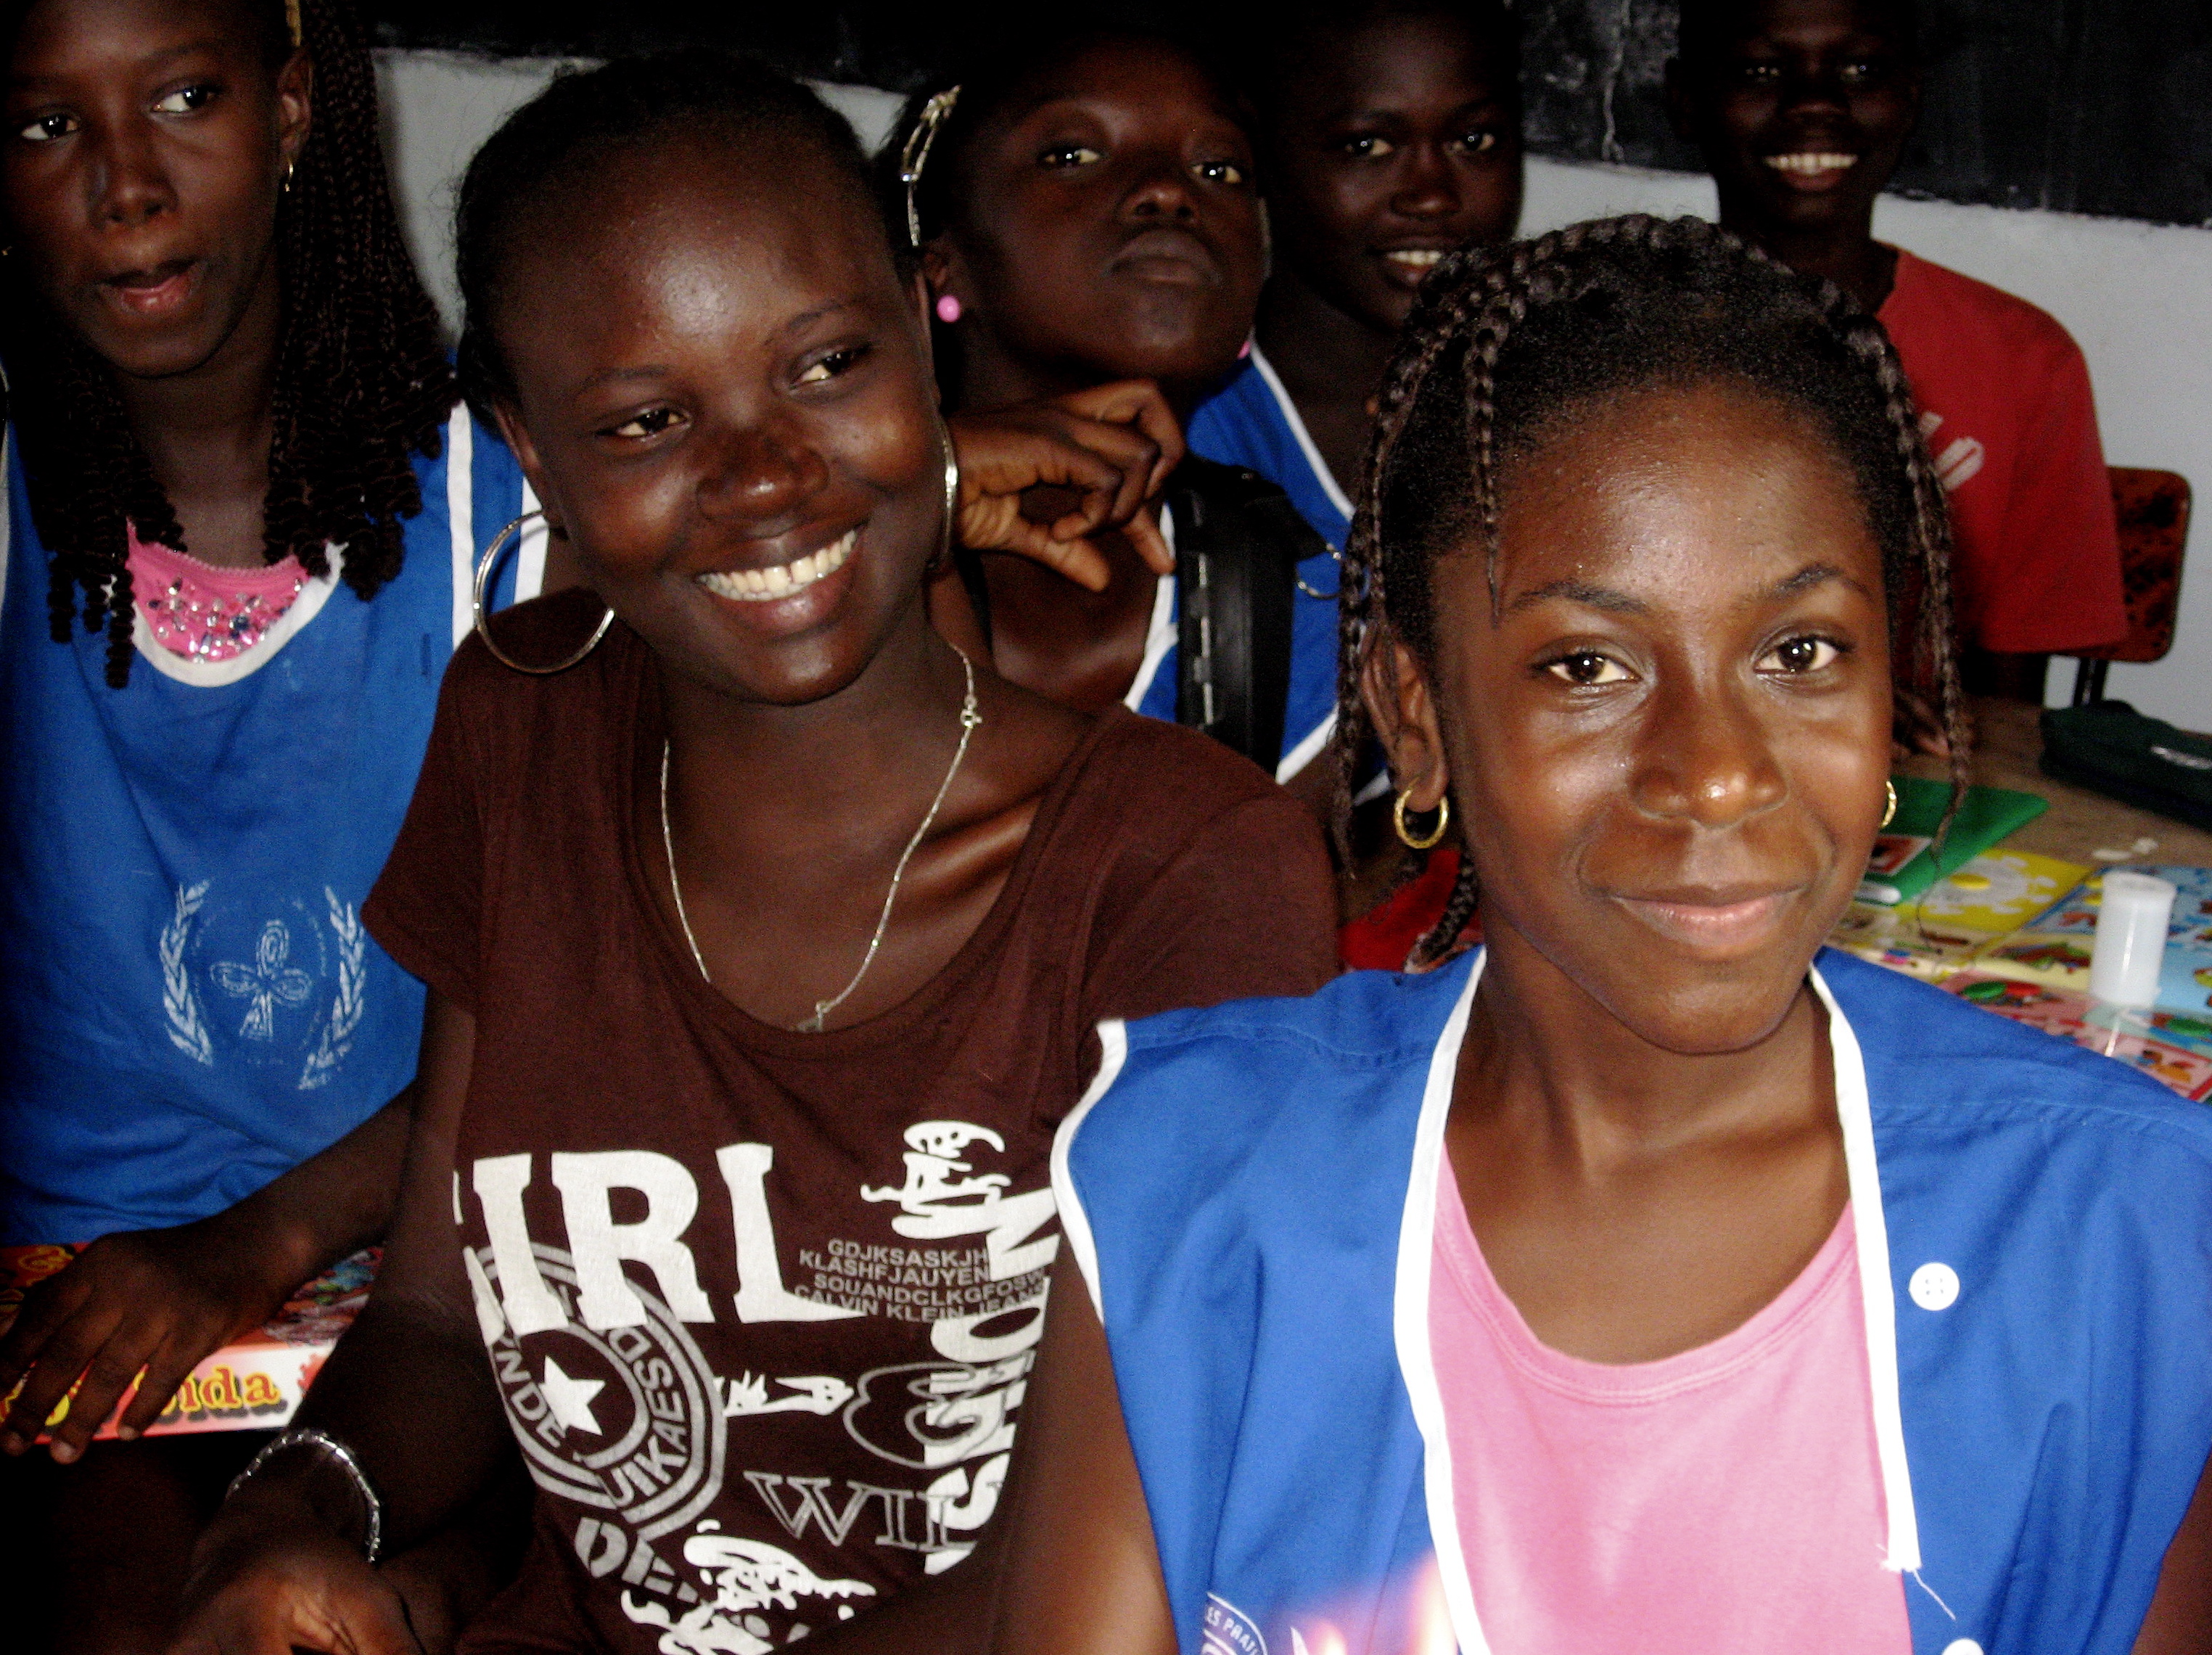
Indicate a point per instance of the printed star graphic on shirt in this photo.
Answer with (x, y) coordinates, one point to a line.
(571, 1399)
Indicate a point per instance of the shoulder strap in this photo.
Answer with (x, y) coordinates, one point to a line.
(1238, 544)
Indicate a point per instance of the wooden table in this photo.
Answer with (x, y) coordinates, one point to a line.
(2008, 742)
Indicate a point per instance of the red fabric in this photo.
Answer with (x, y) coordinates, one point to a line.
(1380, 939)
(2007, 410)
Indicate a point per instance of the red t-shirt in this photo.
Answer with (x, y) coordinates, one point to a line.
(761, 1305)
(2006, 408)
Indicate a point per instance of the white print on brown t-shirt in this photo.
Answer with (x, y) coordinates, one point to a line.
(748, 1576)
(1956, 462)
(625, 1421)
(618, 1411)
(933, 1206)
(812, 1393)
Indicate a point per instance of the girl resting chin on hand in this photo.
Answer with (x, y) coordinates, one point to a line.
(1084, 205)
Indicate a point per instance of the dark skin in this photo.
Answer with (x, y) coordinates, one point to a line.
(145, 144)
(712, 375)
(147, 141)
(1802, 109)
(1110, 233)
(1688, 643)
(1387, 142)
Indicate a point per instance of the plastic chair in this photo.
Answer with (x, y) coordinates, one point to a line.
(2153, 507)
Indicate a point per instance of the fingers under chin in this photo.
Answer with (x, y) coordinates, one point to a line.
(1079, 560)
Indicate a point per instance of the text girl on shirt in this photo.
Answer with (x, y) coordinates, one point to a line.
(1086, 211)
(1802, 109)
(238, 505)
(765, 941)
(1650, 1278)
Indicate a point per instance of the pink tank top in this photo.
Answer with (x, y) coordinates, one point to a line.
(1728, 1498)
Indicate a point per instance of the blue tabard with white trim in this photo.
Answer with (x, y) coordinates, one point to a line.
(1248, 423)
(1237, 1197)
(189, 1003)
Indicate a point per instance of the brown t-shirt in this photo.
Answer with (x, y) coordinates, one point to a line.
(761, 1303)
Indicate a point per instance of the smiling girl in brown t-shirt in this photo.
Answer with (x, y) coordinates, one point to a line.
(758, 1300)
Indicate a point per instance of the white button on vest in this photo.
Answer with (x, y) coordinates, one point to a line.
(1936, 1288)
(1963, 1646)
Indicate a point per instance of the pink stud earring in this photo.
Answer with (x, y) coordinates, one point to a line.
(1243, 350)
(948, 309)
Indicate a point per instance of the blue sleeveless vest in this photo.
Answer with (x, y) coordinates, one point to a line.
(189, 1003)
(1250, 1193)
(1250, 422)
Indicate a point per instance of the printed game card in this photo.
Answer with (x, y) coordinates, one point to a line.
(253, 1384)
(2127, 1038)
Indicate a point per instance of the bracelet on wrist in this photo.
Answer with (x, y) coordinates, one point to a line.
(326, 1450)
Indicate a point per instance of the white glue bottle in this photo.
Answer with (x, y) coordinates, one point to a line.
(2131, 922)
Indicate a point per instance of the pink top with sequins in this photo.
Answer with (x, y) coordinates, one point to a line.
(204, 613)
(1728, 1498)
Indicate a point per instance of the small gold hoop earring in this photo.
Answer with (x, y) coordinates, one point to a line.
(477, 608)
(1890, 814)
(1434, 835)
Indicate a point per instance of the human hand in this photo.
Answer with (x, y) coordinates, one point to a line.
(1112, 445)
(268, 1578)
(155, 1300)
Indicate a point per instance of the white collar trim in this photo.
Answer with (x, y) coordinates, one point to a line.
(1417, 1248)
(1289, 411)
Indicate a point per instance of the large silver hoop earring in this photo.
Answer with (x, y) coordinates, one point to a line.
(476, 607)
(951, 496)
(914, 155)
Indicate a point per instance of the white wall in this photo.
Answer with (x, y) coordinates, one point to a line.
(440, 105)
(2138, 297)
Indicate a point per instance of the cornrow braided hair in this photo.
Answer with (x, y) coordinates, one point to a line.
(1506, 345)
(361, 383)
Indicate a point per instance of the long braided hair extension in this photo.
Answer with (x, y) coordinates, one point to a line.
(362, 382)
(1503, 346)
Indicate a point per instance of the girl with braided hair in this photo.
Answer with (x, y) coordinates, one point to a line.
(1651, 1279)
(240, 504)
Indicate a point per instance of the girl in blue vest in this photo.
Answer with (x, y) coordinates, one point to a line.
(1651, 1278)
(1389, 133)
(241, 512)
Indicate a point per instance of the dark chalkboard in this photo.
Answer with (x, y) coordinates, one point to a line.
(2081, 106)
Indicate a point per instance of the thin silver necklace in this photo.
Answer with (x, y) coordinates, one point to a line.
(969, 718)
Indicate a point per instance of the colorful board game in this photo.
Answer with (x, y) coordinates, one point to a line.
(2053, 947)
(2127, 1037)
(1954, 921)
(253, 1384)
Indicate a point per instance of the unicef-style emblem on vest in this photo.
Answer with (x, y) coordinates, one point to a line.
(1227, 1630)
(283, 991)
